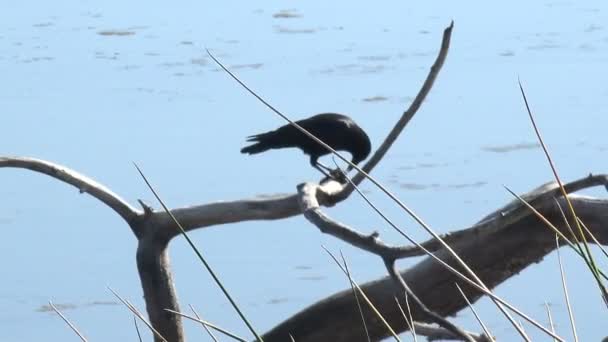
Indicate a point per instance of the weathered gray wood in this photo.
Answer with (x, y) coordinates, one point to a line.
(497, 248)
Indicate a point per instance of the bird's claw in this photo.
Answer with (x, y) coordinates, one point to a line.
(336, 175)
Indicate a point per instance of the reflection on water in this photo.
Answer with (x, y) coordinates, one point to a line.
(374, 58)
(72, 306)
(376, 98)
(247, 66)
(283, 29)
(118, 33)
(511, 147)
(312, 277)
(277, 301)
(437, 186)
(302, 267)
(593, 27)
(507, 53)
(421, 166)
(46, 24)
(350, 69)
(284, 14)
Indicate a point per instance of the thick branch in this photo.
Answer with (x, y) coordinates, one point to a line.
(81, 182)
(497, 248)
(510, 213)
(312, 212)
(152, 256)
(261, 208)
(159, 290)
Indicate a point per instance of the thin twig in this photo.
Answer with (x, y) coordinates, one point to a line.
(409, 312)
(477, 281)
(578, 245)
(204, 326)
(550, 318)
(138, 314)
(587, 255)
(521, 325)
(553, 228)
(567, 222)
(565, 288)
(483, 326)
(367, 300)
(137, 328)
(352, 286)
(597, 243)
(432, 316)
(67, 321)
(210, 325)
(406, 319)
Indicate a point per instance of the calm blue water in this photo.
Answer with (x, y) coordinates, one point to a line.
(95, 86)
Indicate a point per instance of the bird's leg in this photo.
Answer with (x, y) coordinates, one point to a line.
(325, 167)
(335, 174)
(327, 175)
(338, 174)
(315, 163)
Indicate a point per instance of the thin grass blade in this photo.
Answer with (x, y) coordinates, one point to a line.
(67, 321)
(565, 288)
(477, 317)
(210, 325)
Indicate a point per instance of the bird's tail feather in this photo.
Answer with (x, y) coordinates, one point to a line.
(255, 148)
(263, 142)
(261, 136)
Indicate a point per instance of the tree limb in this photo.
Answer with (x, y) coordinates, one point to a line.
(407, 115)
(154, 229)
(81, 182)
(500, 246)
(311, 210)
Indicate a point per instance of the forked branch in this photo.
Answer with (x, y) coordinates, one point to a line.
(497, 248)
(78, 180)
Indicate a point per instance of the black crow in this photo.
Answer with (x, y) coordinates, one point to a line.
(336, 130)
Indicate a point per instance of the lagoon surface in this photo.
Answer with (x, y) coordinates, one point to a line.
(96, 86)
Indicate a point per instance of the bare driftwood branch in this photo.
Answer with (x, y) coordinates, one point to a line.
(498, 247)
(81, 182)
(372, 243)
(312, 212)
(407, 115)
(154, 229)
(433, 333)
